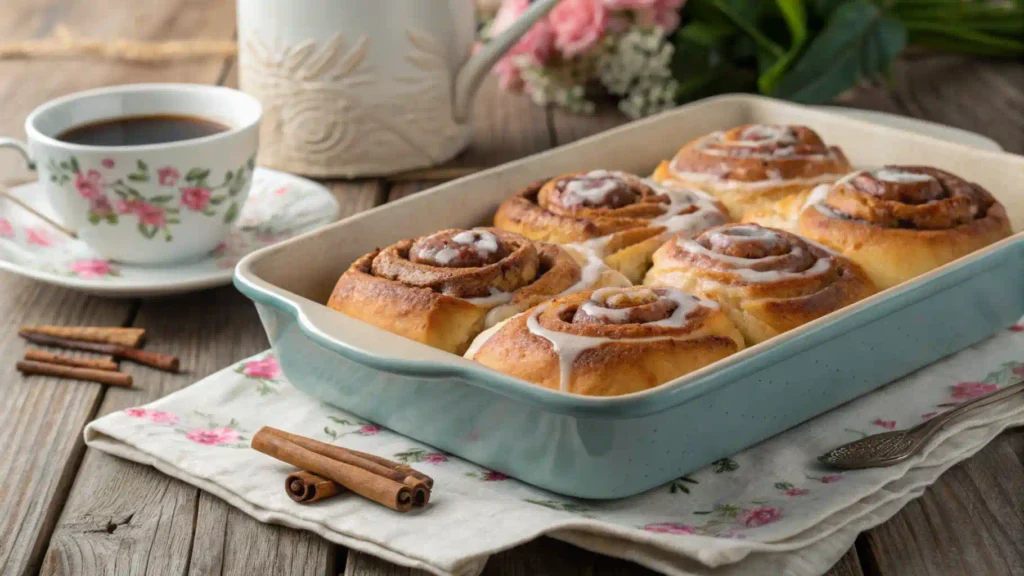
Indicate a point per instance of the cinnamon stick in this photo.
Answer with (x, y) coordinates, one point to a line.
(130, 337)
(94, 363)
(157, 360)
(381, 490)
(395, 466)
(306, 487)
(30, 367)
(420, 489)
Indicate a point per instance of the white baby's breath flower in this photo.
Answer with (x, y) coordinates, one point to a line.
(637, 67)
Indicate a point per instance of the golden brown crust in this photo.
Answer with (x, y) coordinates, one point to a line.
(446, 306)
(616, 358)
(768, 281)
(897, 230)
(622, 216)
(739, 166)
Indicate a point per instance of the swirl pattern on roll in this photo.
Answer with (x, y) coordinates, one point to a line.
(754, 164)
(768, 280)
(610, 212)
(896, 222)
(610, 341)
(454, 283)
(916, 197)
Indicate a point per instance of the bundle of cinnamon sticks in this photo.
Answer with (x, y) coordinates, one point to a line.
(326, 470)
(114, 342)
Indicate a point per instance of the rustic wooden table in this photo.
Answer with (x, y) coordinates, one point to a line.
(66, 509)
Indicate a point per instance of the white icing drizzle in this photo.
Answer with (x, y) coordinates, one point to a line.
(730, 184)
(568, 347)
(899, 176)
(485, 242)
(581, 188)
(740, 265)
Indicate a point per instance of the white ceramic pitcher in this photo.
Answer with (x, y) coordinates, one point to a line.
(365, 87)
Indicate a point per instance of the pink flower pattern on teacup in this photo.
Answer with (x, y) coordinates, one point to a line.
(760, 516)
(670, 528)
(267, 368)
(6, 229)
(195, 197)
(38, 236)
(971, 390)
(101, 207)
(89, 184)
(152, 215)
(168, 176)
(91, 268)
(107, 163)
(213, 436)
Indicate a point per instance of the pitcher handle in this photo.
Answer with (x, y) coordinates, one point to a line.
(473, 72)
(20, 147)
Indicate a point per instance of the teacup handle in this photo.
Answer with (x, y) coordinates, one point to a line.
(20, 147)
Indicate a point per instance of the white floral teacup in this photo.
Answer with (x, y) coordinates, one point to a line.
(153, 203)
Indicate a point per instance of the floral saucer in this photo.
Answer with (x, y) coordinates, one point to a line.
(279, 207)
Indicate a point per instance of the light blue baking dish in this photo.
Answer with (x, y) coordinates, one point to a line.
(613, 447)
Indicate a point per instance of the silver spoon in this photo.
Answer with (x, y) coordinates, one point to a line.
(889, 448)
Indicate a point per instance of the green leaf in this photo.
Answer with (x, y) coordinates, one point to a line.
(795, 15)
(142, 166)
(65, 166)
(147, 231)
(197, 174)
(74, 165)
(740, 16)
(231, 214)
(216, 200)
(161, 199)
(112, 218)
(136, 177)
(94, 218)
(858, 41)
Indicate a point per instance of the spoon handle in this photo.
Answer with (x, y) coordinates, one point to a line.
(933, 425)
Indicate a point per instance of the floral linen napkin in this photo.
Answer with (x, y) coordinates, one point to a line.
(768, 509)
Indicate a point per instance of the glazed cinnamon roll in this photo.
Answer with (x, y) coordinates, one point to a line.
(610, 341)
(752, 166)
(445, 288)
(767, 280)
(897, 222)
(621, 217)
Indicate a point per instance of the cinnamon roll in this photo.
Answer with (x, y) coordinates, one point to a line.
(621, 217)
(610, 341)
(897, 222)
(445, 288)
(752, 166)
(768, 281)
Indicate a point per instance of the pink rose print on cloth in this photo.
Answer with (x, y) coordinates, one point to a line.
(266, 368)
(578, 25)
(493, 476)
(970, 390)
(887, 424)
(670, 528)
(136, 412)
(435, 458)
(1019, 327)
(213, 436)
(195, 197)
(760, 516)
(107, 163)
(38, 236)
(928, 415)
(168, 176)
(161, 417)
(89, 184)
(368, 430)
(6, 229)
(796, 492)
(91, 268)
(830, 478)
